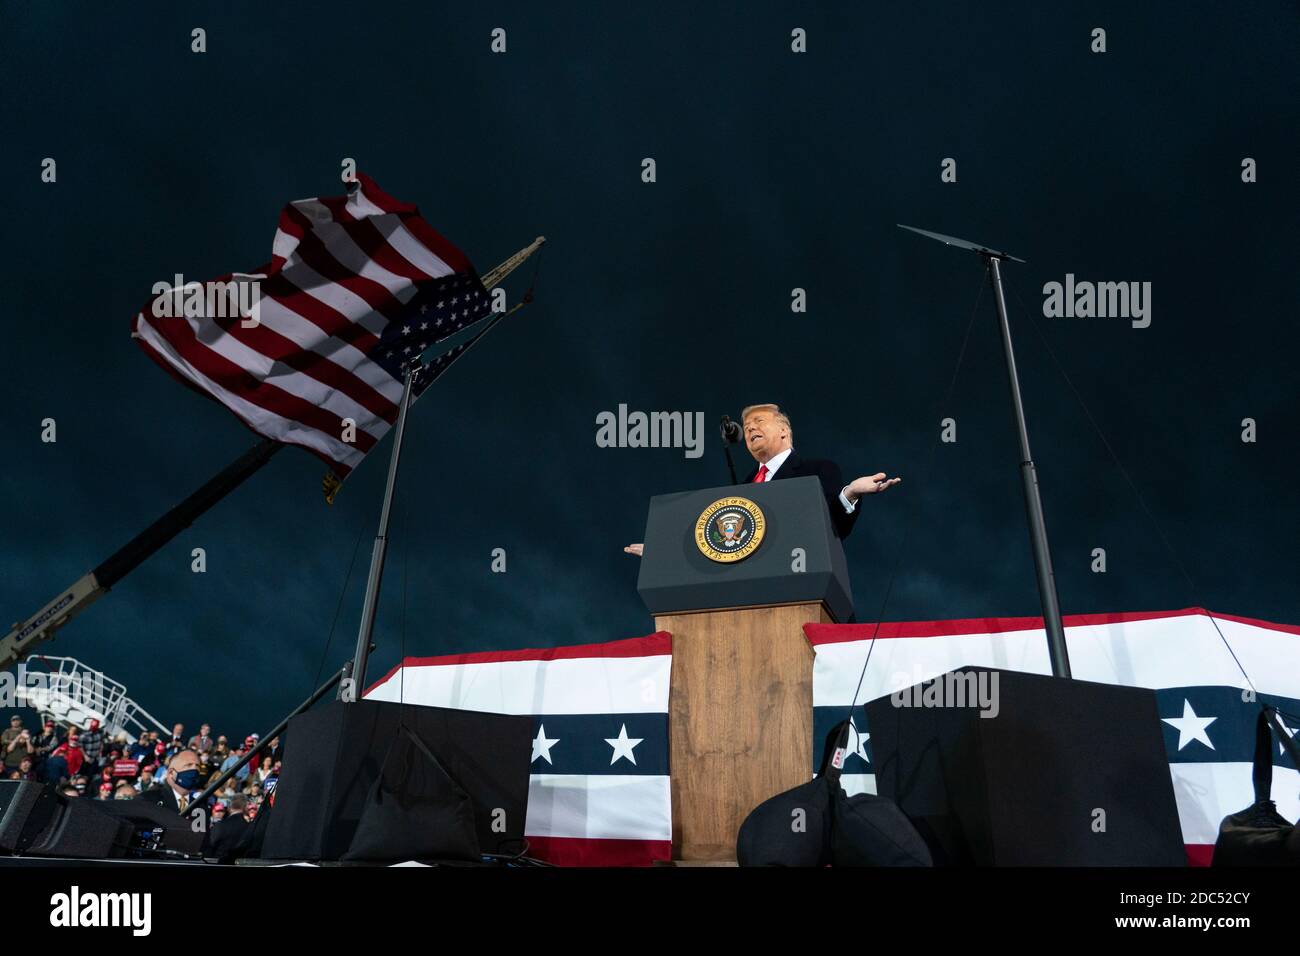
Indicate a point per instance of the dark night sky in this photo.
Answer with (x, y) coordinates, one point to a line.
(774, 171)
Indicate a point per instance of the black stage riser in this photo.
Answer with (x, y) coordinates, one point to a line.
(333, 756)
(1024, 788)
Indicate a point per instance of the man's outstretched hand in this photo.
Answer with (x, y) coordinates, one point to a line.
(869, 485)
(866, 485)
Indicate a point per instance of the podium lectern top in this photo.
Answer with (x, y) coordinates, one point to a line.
(700, 557)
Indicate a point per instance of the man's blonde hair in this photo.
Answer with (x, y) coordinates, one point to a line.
(775, 409)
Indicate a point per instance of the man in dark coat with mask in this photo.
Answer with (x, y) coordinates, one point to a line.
(179, 784)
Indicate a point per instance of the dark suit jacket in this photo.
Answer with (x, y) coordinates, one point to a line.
(163, 796)
(228, 839)
(828, 473)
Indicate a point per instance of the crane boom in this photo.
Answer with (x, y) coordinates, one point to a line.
(94, 584)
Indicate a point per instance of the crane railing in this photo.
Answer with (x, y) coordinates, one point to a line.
(71, 693)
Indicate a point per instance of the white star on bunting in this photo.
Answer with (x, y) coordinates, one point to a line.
(542, 745)
(1190, 727)
(623, 745)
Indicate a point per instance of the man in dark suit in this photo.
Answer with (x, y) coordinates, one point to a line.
(228, 838)
(770, 439)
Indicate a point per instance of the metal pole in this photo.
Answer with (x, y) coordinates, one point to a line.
(350, 688)
(1056, 649)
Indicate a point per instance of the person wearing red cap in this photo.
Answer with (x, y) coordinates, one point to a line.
(155, 759)
(145, 781)
(92, 743)
(70, 750)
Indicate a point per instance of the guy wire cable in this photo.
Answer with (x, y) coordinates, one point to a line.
(361, 527)
(909, 520)
(406, 573)
(1191, 586)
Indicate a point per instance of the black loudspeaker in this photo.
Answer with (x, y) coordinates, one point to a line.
(1067, 773)
(141, 817)
(37, 821)
(27, 811)
(333, 755)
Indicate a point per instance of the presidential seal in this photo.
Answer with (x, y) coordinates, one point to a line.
(730, 529)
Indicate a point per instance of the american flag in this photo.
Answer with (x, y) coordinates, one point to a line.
(357, 288)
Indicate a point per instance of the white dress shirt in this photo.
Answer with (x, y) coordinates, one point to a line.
(774, 464)
(776, 461)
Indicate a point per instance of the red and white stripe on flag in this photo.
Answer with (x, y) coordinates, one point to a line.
(323, 345)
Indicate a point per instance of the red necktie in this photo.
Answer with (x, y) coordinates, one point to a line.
(762, 474)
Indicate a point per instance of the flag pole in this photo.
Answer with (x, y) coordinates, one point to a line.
(495, 275)
(350, 686)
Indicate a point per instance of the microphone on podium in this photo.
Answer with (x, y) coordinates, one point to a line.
(730, 436)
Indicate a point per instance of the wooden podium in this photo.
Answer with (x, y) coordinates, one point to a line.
(740, 703)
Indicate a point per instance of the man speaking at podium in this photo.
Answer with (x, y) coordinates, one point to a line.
(770, 439)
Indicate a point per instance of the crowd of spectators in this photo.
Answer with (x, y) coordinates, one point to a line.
(84, 763)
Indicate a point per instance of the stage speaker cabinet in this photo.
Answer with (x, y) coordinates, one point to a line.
(140, 816)
(27, 811)
(1064, 772)
(35, 820)
(333, 755)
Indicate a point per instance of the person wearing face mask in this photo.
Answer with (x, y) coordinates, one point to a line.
(179, 784)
